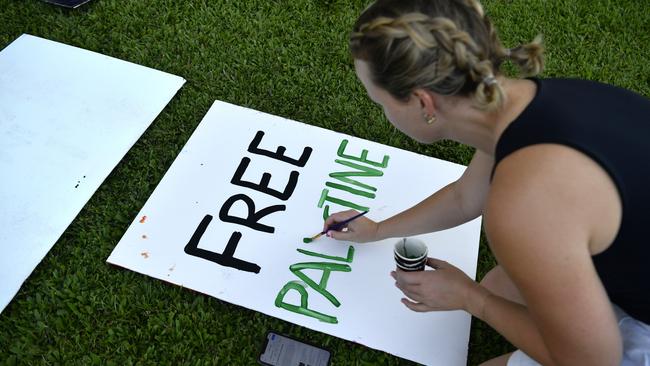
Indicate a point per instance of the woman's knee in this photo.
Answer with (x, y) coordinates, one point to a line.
(499, 361)
(493, 279)
(500, 284)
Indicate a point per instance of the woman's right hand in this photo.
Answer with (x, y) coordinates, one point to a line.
(359, 230)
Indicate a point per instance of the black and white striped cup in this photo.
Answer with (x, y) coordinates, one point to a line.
(410, 254)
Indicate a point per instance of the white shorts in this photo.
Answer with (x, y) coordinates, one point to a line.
(636, 343)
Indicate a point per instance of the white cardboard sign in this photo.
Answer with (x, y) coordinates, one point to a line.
(67, 117)
(229, 217)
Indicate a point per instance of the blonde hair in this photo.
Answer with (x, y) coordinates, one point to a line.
(447, 46)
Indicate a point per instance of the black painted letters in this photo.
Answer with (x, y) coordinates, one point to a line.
(252, 219)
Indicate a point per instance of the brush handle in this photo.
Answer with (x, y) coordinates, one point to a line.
(340, 225)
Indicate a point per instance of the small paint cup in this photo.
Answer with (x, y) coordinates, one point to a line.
(411, 254)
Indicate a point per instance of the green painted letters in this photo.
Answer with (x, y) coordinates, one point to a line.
(363, 158)
(348, 259)
(324, 197)
(303, 308)
(327, 268)
(363, 171)
(358, 192)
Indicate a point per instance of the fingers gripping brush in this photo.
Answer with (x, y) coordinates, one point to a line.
(337, 227)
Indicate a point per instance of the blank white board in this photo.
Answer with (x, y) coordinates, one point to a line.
(67, 117)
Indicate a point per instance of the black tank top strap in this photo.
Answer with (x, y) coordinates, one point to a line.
(612, 126)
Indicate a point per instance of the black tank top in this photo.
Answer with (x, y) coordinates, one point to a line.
(612, 126)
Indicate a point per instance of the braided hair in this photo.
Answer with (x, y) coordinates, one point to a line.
(447, 46)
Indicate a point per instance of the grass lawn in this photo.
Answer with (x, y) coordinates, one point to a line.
(287, 58)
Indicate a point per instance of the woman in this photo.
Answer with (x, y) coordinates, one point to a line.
(558, 176)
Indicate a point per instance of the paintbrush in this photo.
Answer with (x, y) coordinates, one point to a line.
(336, 226)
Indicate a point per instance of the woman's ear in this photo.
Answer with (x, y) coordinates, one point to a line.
(427, 102)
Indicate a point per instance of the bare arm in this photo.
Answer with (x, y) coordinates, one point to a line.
(453, 205)
(548, 210)
(540, 221)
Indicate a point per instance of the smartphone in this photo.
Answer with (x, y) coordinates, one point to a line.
(281, 350)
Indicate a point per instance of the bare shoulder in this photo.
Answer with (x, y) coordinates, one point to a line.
(542, 220)
(554, 186)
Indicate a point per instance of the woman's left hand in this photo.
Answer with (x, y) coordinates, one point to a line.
(444, 288)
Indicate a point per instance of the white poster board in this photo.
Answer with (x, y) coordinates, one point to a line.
(67, 117)
(248, 187)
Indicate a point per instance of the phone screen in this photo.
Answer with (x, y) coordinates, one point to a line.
(284, 351)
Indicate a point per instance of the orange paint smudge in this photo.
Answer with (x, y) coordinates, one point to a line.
(145, 255)
(143, 219)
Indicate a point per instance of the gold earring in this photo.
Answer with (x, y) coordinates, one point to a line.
(430, 119)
